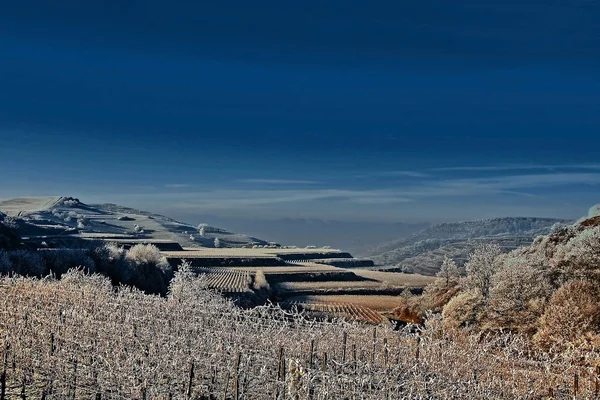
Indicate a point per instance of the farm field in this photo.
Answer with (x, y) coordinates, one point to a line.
(228, 281)
(373, 302)
(289, 269)
(348, 311)
(395, 278)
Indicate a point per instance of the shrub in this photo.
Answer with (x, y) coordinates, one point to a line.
(5, 264)
(27, 263)
(579, 258)
(217, 242)
(59, 261)
(572, 317)
(146, 254)
(464, 310)
(109, 259)
(519, 293)
(148, 269)
(260, 281)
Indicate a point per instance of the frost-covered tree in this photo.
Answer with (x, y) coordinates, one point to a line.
(449, 271)
(579, 257)
(481, 267)
(202, 229)
(217, 242)
(519, 291)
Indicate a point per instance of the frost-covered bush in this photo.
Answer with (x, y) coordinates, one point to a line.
(142, 266)
(579, 258)
(572, 317)
(518, 294)
(260, 281)
(148, 269)
(147, 254)
(217, 242)
(70, 202)
(464, 310)
(594, 211)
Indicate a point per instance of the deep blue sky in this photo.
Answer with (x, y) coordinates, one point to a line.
(387, 110)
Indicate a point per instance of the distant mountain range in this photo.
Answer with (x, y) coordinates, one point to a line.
(424, 251)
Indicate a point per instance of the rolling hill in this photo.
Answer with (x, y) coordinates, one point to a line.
(67, 218)
(423, 252)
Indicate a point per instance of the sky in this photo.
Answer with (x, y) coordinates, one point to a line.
(343, 110)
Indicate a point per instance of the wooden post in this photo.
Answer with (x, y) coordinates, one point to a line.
(344, 347)
(279, 362)
(576, 384)
(597, 382)
(74, 379)
(385, 352)
(374, 345)
(550, 393)
(3, 376)
(236, 383)
(23, 395)
(190, 384)
(312, 352)
(418, 348)
(226, 385)
(324, 364)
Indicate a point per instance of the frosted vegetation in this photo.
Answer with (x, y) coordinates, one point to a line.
(549, 291)
(142, 266)
(424, 251)
(78, 338)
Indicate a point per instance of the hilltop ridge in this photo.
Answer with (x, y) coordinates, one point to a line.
(424, 251)
(62, 218)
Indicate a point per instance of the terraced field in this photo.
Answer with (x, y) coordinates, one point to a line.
(395, 278)
(228, 281)
(347, 311)
(374, 302)
(289, 269)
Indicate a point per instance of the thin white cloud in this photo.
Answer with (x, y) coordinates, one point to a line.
(279, 181)
(177, 185)
(518, 167)
(411, 174)
(399, 199)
